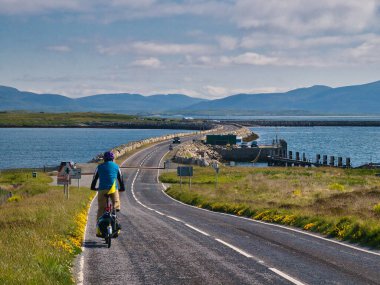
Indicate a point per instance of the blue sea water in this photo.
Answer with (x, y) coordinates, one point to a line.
(35, 147)
(361, 144)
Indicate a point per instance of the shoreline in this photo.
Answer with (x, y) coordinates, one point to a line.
(288, 123)
(168, 126)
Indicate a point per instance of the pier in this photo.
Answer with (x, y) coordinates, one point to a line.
(288, 160)
(305, 123)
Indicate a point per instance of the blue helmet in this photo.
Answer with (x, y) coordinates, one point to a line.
(108, 156)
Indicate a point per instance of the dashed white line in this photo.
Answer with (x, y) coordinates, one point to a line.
(158, 212)
(198, 230)
(286, 276)
(242, 252)
(174, 218)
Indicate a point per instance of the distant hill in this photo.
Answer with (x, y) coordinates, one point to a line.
(13, 99)
(318, 99)
(360, 99)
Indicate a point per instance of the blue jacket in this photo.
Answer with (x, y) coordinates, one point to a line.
(107, 173)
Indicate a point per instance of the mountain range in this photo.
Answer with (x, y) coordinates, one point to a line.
(318, 99)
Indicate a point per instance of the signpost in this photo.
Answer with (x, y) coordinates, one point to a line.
(66, 171)
(215, 165)
(185, 171)
(167, 164)
(76, 174)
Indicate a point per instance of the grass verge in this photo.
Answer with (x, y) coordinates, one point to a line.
(338, 203)
(41, 232)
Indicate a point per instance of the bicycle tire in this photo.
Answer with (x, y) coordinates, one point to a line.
(108, 241)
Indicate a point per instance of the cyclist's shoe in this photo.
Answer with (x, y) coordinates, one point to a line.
(117, 210)
(118, 226)
(116, 234)
(98, 233)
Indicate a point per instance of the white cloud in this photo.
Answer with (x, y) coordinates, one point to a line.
(216, 91)
(59, 48)
(136, 4)
(113, 10)
(150, 62)
(366, 52)
(21, 7)
(250, 58)
(154, 48)
(299, 17)
(227, 42)
(220, 92)
(184, 91)
(170, 48)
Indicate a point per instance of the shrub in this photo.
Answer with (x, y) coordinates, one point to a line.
(297, 192)
(376, 208)
(336, 186)
(15, 198)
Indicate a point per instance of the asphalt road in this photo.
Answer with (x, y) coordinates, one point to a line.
(166, 242)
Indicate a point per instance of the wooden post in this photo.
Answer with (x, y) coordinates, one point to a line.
(340, 161)
(348, 162)
(324, 159)
(297, 156)
(290, 154)
(318, 159)
(332, 161)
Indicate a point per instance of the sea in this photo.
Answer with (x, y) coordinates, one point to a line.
(36, 147)
(360, 144)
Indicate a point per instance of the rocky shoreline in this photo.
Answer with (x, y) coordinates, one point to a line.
(277, 123)
(127, 125)
(197, 153)
(123, 149)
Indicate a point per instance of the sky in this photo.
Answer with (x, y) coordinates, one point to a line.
(202, 48)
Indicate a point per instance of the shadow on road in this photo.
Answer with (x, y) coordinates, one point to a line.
(94, 244)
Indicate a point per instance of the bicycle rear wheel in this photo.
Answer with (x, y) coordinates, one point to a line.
(108, 241)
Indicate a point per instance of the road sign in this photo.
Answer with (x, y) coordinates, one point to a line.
(183, 171)
(76, 173)
(64, 173)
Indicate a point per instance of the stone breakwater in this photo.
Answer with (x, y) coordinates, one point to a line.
(125, 148)
(180, 125)
(274, 123)
(197, 153)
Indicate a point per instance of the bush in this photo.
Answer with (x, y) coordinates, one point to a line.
(336, 186)
(15, 198)
(376, 208)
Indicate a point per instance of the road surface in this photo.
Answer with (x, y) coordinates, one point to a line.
(166, 242)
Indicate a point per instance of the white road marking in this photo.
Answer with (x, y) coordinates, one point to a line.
(80, 275)
(286, 276)
(242, 252)
(174, 218)
(277, 226)
(198, 230)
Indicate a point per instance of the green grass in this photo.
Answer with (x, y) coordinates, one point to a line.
(62, 119)
(335, 202)
(40, 232)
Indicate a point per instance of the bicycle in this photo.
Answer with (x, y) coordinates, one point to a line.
(108, 223)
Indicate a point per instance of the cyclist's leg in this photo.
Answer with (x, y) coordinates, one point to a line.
(116, 205)
(115, 200)
(102, 202)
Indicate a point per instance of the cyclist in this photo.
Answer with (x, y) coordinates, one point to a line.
(108, 174)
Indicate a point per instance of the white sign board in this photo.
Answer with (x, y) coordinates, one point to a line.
(76, 173)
